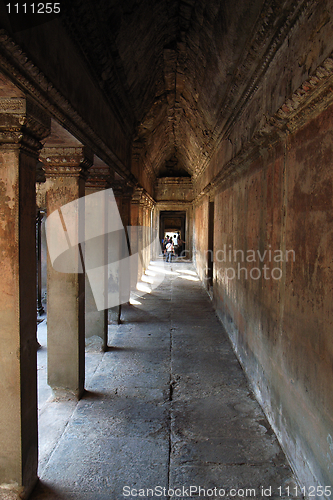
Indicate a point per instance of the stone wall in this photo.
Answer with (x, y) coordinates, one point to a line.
(277, 306)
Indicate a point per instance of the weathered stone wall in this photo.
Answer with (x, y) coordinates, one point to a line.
(281, 323)
(295, 56)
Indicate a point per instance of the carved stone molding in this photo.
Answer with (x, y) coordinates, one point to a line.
(68, 161)
(311, 98)
(141, 197)
(137, 195)
(98, 177)
(23, 123)
(96, 183)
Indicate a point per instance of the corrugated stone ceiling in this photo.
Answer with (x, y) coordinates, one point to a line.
(173, 69)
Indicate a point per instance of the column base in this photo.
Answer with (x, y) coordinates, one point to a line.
(67, 395)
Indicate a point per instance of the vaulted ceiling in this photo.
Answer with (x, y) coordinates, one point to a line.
(176, 71)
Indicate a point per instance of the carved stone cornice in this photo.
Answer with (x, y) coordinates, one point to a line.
(23, 123)
(69, 161)
(310, 99)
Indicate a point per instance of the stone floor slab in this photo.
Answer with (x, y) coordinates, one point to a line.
(167, 406)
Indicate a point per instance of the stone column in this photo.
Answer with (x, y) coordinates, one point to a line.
(39, 218)
(65, 170)
(157, 248)
(22, 125)
(126, 206)
(136, 234)
(96, 322)
(118, 249)
(150, 233)
(145, 235)
(147, 204)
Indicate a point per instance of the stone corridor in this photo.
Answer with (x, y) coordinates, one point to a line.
(167, 406)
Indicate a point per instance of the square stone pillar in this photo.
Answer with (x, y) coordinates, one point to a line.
(118, 250)
(65, 170)
(126, 206)
(22, 125)
(137, 233)
(96, 322)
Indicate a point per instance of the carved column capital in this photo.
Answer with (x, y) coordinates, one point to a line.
(98, 177)
(140, 196)
(128, 193)
(137, 195)
(67, 161)
(118, 187)
(23, 124)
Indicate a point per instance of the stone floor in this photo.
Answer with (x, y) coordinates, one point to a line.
(168, 406)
